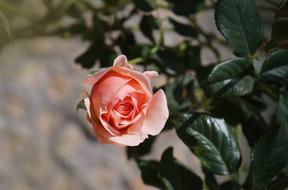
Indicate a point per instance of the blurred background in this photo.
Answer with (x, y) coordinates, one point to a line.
(44, 143)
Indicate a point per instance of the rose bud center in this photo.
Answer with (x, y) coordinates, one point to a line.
(124, 108)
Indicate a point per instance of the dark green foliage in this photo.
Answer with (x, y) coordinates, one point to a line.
(149, 173)
(282, 111)
(275, 67)
(183, 29)
(231, 78)
(144, 5)
(229, 185)
(280, 183)
(213, 142)
(168, 173)
(97, 51)
(141, 150)
(210, 179)
(185, 7)
(269, 157)
(147, 24)
(240, 24)
(280, 27)
(176, 176)
(175, 60)
(171, 61)
(81, 105)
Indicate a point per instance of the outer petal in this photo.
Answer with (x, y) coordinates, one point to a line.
(92, 79)
(122, 61)
(87, 105)
(101, 134)
(157, 114)
(139, 123)
(129, 139)
(141, 78)
(112, 130)
(151, 74)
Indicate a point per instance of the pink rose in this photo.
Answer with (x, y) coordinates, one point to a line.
(122, 108)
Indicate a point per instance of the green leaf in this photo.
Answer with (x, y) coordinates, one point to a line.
(96, 51)
(175, 175)
(149, 172)
(81, 105)
(282, 112)
(116, 3)
(171, 61)
(240, 24)
(232, 68)
(255, 126)
(229, 185)
(210, 180)
(183, 29)
(230, 78)
(145, 5)
(234, 87)
(140, 150)
(147, 24)
(280, 26)
(248, 115)
(275, 67)
(213, 142)
(185, 7)
(269, 157)
(6, 25)
(280, 183)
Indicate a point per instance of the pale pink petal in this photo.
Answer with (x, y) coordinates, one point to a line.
(101, 134)
(104, 91)
(157, 114)
(135, 127)
(129, 139)
(129, 87)
(97, 126)
(106, 125)
(87, 105)
(92, 79)
(121, 61)
(139, 99)
(141, 78)
(151, 74)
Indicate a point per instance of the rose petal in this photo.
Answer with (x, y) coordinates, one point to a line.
(151, 74)
(157, 114)
(97, 126)
(129, 87)
(101, 134)
(105, 90)
(129, 139)
(87, 105)
(141, 78)
(121, 61)
(138, 123)
(92, 79)
(135, 127)
(106, 125)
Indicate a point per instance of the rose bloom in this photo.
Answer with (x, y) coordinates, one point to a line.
(121, 107)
